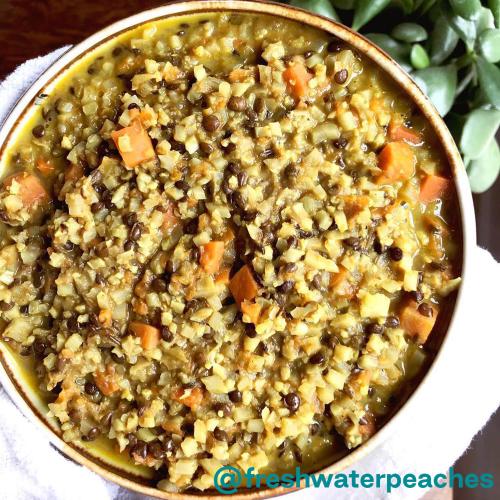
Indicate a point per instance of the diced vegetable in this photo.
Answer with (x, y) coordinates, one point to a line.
(360, 382)
(240, 75)
(340, 284)
(31, 190)
(142, 286)
(140, 307)
(415, 323)
(374, 305)
(367, 429)
(19, 329)
(223, 276)
(73, 173)
(105, 317)
(145, 116)
(252, 310)
(243, 285)
(134, 144)
(189, 397)
(401, 133)
(397, 162)
(353, 205)
(169, 218)
(211, 256)
(433, 187)
(134, 114)
(150, 335)
(106, 381)
(297, 78)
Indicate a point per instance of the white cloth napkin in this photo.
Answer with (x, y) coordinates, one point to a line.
(439, 423)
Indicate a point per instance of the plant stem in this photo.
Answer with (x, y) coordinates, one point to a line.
(465, 81)
(464, 60)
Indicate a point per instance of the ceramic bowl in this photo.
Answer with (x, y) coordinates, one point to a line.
(15, 377)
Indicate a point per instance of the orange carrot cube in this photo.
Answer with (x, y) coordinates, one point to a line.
(415, 323)
(134, 144)
(243, 285)
(211, 256)
(150, 335)
(433, 187)
(397, 162)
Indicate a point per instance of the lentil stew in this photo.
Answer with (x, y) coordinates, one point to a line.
(226, 241)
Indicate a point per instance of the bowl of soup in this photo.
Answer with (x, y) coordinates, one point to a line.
(231, 233)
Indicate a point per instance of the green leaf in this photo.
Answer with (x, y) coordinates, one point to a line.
(489, 79)
(424, 5)
(489, 43)
(321, 7)
(398, 51)
(443, 41)
(484, 170)
(408, 5)
(409, 32)
(465, 8)
(484, 20)
(344, 4)
(494, 6)
(366, 10)
(479, 129)
(418, 57)
(391, 46)
(466, 30)
(439, 83)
